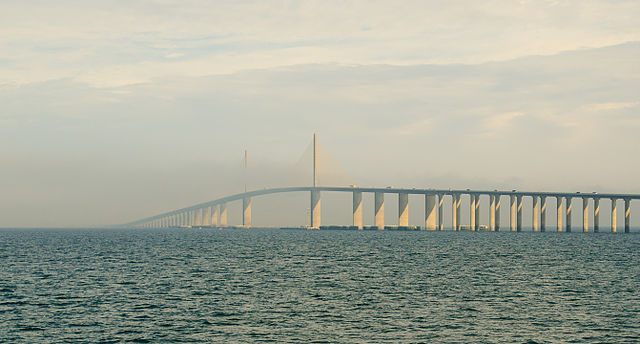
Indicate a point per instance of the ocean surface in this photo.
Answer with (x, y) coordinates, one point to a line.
(286, 286)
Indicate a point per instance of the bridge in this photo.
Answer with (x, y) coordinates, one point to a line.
(214, 213)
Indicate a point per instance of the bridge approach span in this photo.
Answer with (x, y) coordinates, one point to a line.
(214, 212)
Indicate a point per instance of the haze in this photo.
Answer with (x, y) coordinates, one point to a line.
(117, 110)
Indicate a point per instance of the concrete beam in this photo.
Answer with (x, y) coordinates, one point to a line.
(246, 212)
(430, 212)
(403, 209)
(379, 210)
(357, 209)
(315, 210)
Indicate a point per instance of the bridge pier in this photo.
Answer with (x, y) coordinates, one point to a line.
(596, 215)
(199, 216)
(214, 216)
(440, 212)
(206, 217)
(614, 216)
(519, 206)
(472, 212)
(534, 220)
(585, 214)
(357, 209)
(403, 209)
(455, 212)
(430, 212)
(315, 209)
(477, 212)
(627, 215)
(246, 212)
(497, 212)
(492, 212)
(568, 214)
(559, 213)
(223, 215)
(543, 213)
(379, 210)
(512, 213)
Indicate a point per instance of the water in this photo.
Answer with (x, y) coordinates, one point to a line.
(236, 286)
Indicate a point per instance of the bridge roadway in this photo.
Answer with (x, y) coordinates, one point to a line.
(214, 212)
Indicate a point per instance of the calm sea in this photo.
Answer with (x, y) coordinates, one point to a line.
(283, 286)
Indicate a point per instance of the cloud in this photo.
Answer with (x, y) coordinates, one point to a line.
(609, 106)
(109, 44)
(496, 124)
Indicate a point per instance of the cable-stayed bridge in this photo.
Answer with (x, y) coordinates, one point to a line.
(214, 213)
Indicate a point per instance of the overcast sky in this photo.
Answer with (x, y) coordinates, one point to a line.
(115, 110)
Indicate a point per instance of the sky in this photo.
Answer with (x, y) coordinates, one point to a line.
(117, 110)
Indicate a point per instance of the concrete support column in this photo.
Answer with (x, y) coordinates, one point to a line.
(534, 219)
(246, 212)
(498, 212)
(440, 212)
(193, 218)
(430, 212)
(614, 216)
(472, 212)
(585, 214)
(543, 213)
(223, 215)
(379, 210)
(477, 212)
(357, 209)
(214, 216)
(559, 213)
(207, 217)
(567, 212)
(492, 212)
(403, 209)
(315, 209)
(627, 215)
(512, 212)
(199, 216)
(455, 212)
(519, 206)
(596, 215)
